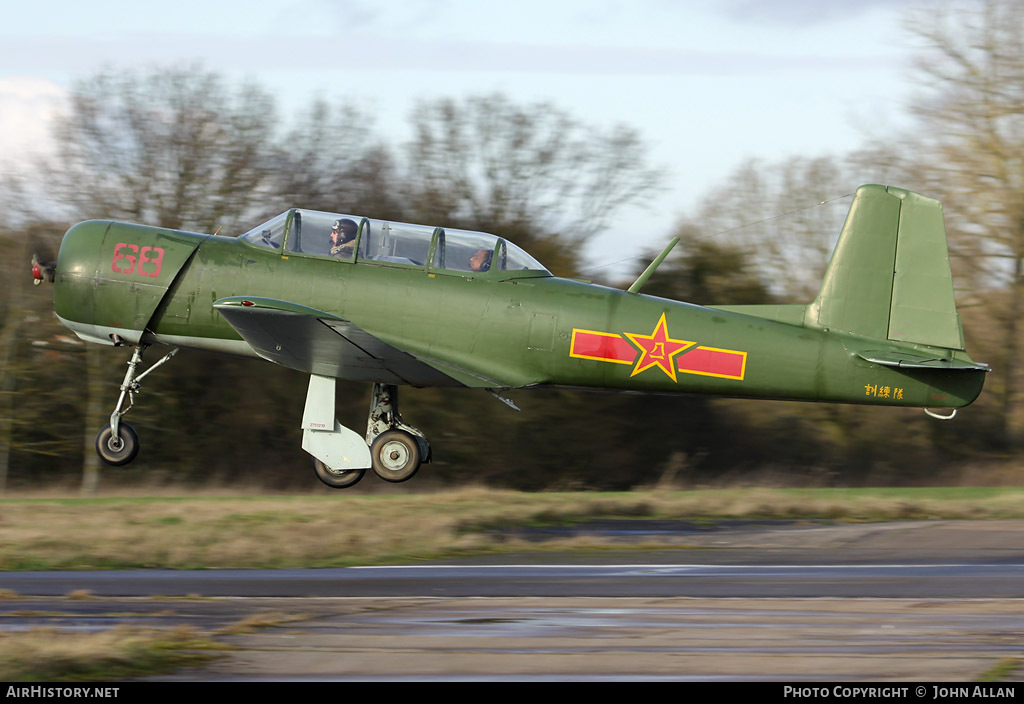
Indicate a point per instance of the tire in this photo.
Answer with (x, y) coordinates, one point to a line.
(396, 456)
(120, 450)
(337, 479)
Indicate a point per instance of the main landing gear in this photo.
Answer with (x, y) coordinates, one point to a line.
(118, 443)
(392, 448)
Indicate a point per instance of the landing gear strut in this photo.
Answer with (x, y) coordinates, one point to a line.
(117, 443)
(396, 448)
(392, 448)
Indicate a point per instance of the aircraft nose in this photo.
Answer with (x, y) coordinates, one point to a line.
(80, 248)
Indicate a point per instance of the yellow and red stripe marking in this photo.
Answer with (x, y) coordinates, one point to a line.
(711, 361)
(616, 348)
(601, 346)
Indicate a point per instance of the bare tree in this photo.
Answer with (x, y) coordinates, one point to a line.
(174, 147)
(531, 172)
(332, 160)
(785, 216)
(971, 117)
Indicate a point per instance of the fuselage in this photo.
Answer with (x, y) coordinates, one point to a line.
(153, 285)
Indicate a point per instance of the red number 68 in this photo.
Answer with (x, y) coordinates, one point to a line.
(153, 256)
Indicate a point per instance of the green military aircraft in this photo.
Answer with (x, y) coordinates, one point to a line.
(345, 297)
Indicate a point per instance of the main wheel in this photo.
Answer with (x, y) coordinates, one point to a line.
(337, 478)
(396, 456)
(117, 450)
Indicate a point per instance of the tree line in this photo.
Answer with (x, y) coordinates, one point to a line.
(185, 149)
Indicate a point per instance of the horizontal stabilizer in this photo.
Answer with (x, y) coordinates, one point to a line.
(909, 360)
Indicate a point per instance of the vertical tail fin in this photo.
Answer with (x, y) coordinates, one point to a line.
(889, 277)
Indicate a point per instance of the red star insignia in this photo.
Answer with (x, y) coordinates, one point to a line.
(658, 349)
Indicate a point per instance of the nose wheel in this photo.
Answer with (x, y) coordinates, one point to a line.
(117, 449)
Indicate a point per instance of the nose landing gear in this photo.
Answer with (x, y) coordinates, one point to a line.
(117, 443)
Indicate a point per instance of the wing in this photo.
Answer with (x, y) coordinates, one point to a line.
(316, 342)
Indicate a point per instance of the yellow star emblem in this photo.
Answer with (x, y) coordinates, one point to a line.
(658, 349)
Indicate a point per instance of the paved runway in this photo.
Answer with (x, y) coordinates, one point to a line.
(607, 578)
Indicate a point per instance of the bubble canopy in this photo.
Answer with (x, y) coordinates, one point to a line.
(352, 238)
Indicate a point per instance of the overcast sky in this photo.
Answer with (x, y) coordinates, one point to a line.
(707, 82)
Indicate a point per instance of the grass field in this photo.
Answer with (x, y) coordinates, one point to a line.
(54, 656)
(188, 532)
